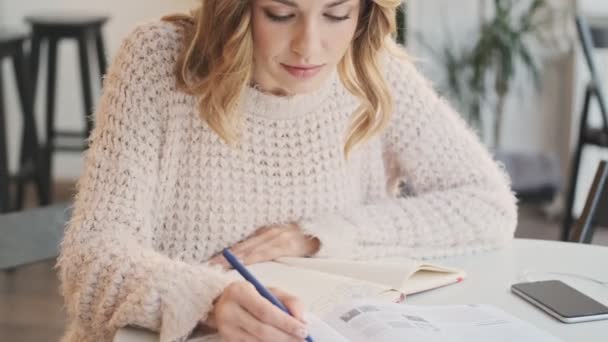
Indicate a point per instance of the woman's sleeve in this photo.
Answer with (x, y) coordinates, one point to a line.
(110, 273)
(459, 199)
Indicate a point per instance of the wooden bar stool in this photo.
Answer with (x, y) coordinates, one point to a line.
(591, 36)
(11, 46)
(52, 28)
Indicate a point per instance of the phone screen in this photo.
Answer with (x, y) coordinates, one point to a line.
(561, 298)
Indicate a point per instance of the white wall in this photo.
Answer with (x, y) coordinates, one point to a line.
(599, 7)
(125, 14)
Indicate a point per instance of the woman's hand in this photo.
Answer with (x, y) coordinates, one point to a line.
(272, 242)
(240, 313)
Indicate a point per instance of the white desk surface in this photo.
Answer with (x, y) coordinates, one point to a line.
(490, 275)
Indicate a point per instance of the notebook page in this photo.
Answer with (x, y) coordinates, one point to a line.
(394, 273)
(318, 291)
(391, 273)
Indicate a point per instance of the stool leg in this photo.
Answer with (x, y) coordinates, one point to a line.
(50, 115)
(42, 171)
(85, 74)
(34, 63)
(5, 204)
(30, 156)
(101, 53)
(576, 160)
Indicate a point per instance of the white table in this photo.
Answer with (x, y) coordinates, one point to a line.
(490, 276)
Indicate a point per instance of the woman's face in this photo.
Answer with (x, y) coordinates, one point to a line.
(298, 43)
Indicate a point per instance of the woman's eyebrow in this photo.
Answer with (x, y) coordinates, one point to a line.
(336, 3)
(287, 2)
(291, 3)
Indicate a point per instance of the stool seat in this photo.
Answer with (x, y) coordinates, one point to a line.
(8, 36)
(10, 40)
(66, 19)
(600, 37)
(599, 31)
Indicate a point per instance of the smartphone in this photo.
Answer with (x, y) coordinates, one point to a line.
(561, 301)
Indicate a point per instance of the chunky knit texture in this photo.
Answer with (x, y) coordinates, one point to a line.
(161, 193)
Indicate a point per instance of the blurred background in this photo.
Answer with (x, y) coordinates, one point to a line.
(526, 74)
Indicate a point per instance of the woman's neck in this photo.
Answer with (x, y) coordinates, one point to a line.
(275, 91)
(275, 104)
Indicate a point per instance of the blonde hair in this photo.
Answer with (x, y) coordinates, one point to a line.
(217, 61)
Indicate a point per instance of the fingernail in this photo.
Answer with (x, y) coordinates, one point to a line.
(302, 333)
(305, 317)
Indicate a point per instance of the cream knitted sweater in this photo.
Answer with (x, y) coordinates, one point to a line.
(161, 193)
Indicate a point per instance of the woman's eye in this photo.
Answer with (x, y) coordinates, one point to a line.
(278, 18)
(337, 18)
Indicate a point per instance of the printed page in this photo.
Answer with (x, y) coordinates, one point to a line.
(365, 320)
(405, 275)
(321, 331)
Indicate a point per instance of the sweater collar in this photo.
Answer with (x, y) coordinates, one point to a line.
(258, 103)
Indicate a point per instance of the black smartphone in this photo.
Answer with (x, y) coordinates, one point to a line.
(561, 301)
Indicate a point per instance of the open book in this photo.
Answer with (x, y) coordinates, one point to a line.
(323, 283)
(365, 320)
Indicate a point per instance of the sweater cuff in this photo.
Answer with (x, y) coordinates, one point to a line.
(187, 298)
(337, 235)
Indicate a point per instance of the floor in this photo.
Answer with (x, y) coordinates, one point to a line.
(31, 308)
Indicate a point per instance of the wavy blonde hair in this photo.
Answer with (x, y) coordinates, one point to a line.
(216, 64)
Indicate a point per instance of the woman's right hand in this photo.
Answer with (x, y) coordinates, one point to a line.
(240, 313)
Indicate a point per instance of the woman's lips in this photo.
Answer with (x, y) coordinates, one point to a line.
(302, 72)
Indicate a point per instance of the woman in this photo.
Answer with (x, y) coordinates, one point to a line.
(277, 128)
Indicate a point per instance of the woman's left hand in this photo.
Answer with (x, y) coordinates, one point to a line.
(269, 243)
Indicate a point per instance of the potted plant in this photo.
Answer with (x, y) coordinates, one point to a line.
(482, 74)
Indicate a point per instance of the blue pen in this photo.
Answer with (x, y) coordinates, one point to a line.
(239, 267)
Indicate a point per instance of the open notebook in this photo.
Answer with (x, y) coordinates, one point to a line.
(323, 283)
(326, 284)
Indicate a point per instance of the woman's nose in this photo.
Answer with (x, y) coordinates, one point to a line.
(306, 41)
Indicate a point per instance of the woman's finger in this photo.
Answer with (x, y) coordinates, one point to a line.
(263, 331)
(261, 248)
(270, 250)
(293, 304)
(238, 334)
(262, 254)
(265, 312)
(260, 237)
(221, 261)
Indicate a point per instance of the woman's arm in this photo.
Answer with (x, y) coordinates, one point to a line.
(459, 202)
(111, 276)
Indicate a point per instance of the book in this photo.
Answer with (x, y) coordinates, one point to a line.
(324, 283)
